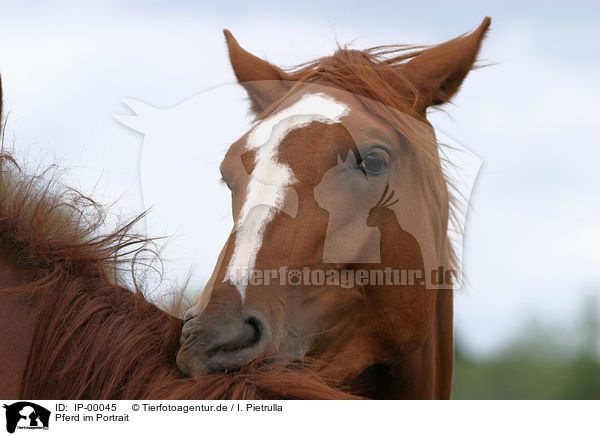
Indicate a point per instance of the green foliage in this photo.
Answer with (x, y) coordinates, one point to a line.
(544, 363)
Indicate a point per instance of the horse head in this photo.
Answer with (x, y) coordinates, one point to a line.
(305, 182)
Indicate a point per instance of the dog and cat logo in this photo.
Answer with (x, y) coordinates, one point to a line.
(26, 415)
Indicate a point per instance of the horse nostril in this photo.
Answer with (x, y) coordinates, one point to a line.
(224, 340)
(244, 342)
(257, 328)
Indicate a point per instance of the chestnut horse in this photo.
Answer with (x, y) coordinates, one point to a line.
(69, 330)
(309, 185)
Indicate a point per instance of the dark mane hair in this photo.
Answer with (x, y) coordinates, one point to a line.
(95, 339)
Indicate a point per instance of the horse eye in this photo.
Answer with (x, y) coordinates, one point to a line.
(375, 163)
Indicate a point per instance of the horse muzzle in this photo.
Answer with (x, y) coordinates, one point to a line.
(222, 340)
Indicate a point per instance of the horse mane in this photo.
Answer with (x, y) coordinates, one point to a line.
(374, 75)
(95, 339)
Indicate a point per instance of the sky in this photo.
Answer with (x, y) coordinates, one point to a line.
(532, 235)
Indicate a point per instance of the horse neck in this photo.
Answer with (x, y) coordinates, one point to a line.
(424, 374)
(431, 367)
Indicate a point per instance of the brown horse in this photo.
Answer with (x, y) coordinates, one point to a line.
(69, 330)
(329, 137)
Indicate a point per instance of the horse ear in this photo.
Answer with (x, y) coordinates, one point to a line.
(438, 72)
(262, 80)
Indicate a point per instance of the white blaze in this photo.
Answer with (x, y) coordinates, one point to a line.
(269, 180)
